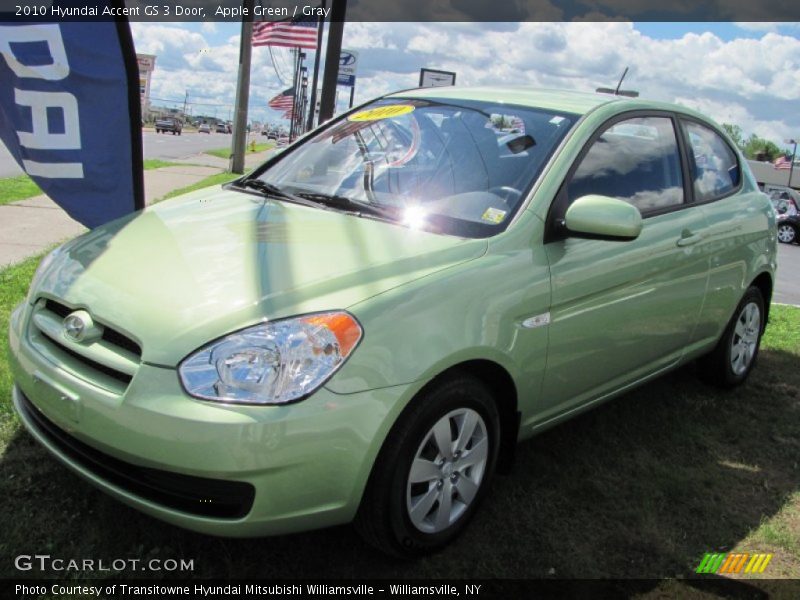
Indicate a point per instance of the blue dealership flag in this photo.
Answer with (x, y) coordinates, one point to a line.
(70, 114)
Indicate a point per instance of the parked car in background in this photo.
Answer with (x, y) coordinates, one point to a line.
(204, 128)
(788, 219)
(380, 312)
(169, 125)
(222, 128)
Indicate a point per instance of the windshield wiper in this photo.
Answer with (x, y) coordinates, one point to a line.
(272, 190)
(349, 205)
(319, 200)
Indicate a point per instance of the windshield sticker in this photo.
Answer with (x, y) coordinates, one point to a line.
(381, 112)
(556, 120)
(493, 215)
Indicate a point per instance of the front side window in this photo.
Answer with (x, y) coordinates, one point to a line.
(715, 168)
(636, 160)
(458, 167)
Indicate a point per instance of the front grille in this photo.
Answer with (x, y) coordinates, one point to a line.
(194, 495)
(109, 362)
(110, 335)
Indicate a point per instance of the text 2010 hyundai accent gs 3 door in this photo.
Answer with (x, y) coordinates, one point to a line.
(364, 326)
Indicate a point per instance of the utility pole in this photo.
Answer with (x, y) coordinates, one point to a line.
(185, 101)
(794, 155)
(242, 91)
(335, 31)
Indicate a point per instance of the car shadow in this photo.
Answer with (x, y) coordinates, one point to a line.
(641, 487)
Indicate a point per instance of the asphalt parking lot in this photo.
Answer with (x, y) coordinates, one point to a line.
(787, 286)
(156, 145)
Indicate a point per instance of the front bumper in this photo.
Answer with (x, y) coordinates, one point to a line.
(307, 463)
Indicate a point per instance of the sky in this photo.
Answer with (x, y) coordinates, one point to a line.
(747, 74)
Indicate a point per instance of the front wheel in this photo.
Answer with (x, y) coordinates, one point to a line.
(786, 233)
(731, 361)
(433, 470)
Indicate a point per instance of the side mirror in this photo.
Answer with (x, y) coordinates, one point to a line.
(603, 217)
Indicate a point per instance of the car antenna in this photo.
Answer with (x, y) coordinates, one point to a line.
(616, 91)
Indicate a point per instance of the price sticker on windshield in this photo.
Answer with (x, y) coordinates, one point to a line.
(381, 112)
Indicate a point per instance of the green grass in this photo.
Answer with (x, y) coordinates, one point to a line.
(13, 189)
(14, 283)
(157, 163)
(249, 149)
(217, 179)
(641, 487)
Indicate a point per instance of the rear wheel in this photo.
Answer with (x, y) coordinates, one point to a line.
(786, 233)
(433, 471)
(731, 361)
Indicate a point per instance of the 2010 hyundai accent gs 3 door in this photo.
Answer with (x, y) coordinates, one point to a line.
(363, 327)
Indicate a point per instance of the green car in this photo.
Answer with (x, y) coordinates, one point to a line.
(365, 326)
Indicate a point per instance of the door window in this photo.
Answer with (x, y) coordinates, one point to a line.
(636, 160)
(715, 168)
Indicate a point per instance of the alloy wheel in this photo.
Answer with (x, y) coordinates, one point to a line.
(745, 338)
(786, 234)
(447, 470)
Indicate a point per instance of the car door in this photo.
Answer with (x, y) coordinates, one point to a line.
(736, 222)
(622, 310)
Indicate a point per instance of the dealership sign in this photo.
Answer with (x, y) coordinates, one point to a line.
(70, 114)
(348, 61)
(436, 78)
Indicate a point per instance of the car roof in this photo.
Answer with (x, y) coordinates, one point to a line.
(569, 101)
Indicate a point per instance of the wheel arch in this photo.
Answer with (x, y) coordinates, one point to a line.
(765, 285)
(504, 392)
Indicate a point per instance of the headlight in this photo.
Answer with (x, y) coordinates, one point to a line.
(37, 276)
(274, 362)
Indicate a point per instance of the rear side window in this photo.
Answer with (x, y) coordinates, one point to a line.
(636, 160)
(715, 168)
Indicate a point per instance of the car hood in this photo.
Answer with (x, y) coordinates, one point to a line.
(182, 273)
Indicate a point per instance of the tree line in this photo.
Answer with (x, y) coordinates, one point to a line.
(754, 147)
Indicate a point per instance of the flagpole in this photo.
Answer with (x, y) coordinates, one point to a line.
(296, 51)
(313, 102)
(239, 140)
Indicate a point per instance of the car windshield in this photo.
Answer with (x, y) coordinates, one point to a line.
(455, 167)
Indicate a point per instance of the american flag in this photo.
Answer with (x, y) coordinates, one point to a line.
(291, 34)
(782, 162)
(283, 100)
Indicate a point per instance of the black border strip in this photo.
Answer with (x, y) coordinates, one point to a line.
(134, 106)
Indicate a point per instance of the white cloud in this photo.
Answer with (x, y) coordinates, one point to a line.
(754, 82)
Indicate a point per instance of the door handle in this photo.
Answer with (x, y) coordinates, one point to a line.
(688, 239)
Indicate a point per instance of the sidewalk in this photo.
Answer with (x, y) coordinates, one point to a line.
(29, 227)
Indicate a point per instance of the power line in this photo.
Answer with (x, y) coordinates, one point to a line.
(275, 66)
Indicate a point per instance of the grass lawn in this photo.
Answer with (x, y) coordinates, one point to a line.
(13, 189)
(217, 179)
(641, 487)
(157, 163)
(249, 149)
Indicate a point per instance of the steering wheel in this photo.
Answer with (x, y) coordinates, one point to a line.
(506, 192)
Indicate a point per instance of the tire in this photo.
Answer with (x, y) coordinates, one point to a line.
(385, 517)
(787, 233)
(741, 338)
